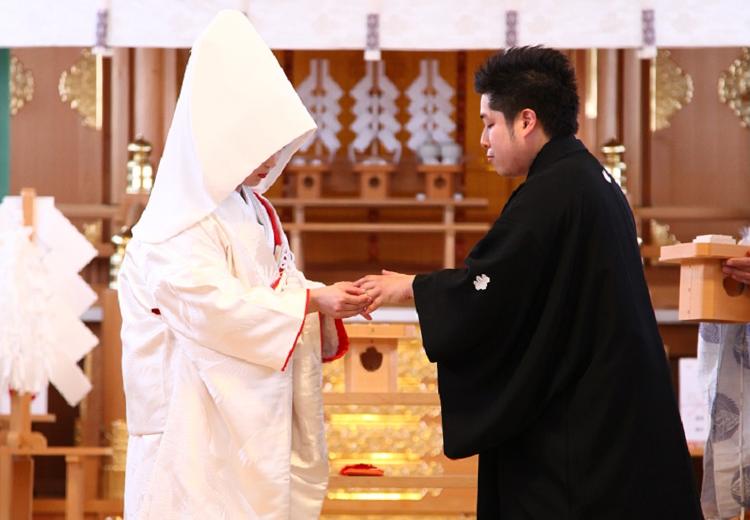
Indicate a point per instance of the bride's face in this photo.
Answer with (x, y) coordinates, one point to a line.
(261, 171)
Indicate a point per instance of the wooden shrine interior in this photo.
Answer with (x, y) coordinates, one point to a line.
(691, 175)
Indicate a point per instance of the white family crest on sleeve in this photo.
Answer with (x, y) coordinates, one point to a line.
(481, 281)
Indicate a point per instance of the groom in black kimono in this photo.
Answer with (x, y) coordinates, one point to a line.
(550, 364)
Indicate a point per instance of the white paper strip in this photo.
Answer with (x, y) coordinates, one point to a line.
(417, 24)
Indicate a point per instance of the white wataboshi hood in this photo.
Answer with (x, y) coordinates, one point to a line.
(236, 109)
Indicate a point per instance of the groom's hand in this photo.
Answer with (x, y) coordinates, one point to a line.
(389, 287)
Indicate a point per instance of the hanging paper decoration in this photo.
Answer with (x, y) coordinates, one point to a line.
(321, 94)
(430, 107)
(375, 123)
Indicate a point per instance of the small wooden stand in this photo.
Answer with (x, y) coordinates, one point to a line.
(307, 179)
(373, 180)
(371, 365)
(440, 179)
(706, 294)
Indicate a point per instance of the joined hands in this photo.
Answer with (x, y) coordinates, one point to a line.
(347, 299)
(340, 300)
(389, 287)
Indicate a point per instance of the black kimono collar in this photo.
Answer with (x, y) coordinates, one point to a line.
(555, 149)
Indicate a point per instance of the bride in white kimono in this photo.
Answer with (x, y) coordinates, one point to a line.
(222, 335)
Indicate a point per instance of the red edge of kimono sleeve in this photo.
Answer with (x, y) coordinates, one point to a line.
(302, 326)
(343, 337)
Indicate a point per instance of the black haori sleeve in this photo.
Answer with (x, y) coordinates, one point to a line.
(488, 327)
(461, 309)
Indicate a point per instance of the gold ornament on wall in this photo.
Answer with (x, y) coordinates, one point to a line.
(93, 231)
(21, 85)
(140, 176)
(77, 86)
(661, 235)
(120, 241)
(114, 468)
(671, 90)
(613, 151)
(734, 87)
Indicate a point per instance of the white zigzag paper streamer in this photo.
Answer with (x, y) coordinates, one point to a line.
(321, 94)
(375, 113)
(430, 107)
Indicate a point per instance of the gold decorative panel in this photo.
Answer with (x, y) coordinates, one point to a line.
(734, 87)
(672, 89)
(77, 86)
(402, 440)
(333, 377)
(398, 438)
(21, 85)
(415, 372)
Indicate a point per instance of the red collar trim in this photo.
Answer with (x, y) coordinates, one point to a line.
(274, 221)
(276, 226)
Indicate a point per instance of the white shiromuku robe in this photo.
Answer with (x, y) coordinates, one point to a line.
(222, 373)
(221, 362)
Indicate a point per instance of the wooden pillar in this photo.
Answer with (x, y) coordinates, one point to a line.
(633, 124)
(16, 484)
(74, 489)
(4, 122)
(461, 109)
(449, 251)
(607, 121)
(111, 348)
(296, 245)
(23, 486)
(120, 120)
(91, 413)
(20, 418)
(6, 484)
(171, 89)
(148, 98)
